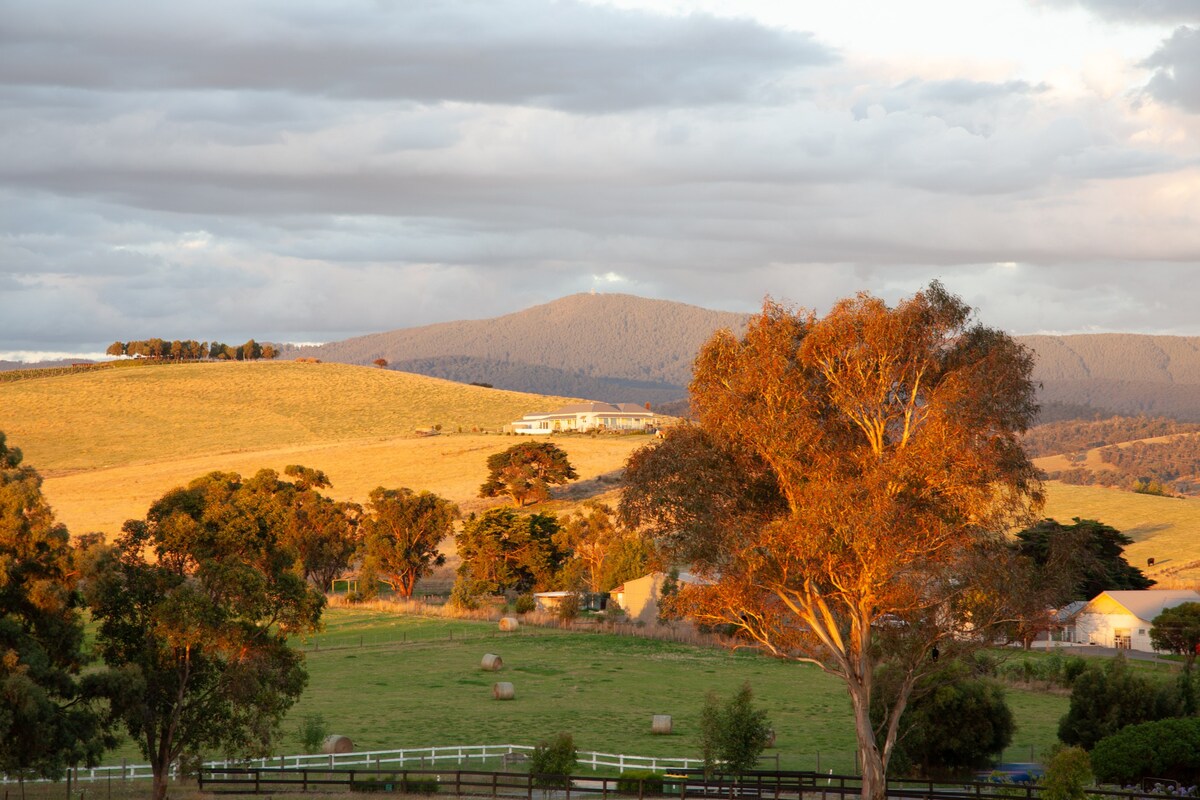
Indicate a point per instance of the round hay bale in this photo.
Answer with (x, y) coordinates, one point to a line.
(509, 624)
(661, 724)
(491, 662)
(502, 691)
(335, 743)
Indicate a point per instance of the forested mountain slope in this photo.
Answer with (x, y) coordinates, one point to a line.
(1120, 373)
(621, 348)
(611, 347)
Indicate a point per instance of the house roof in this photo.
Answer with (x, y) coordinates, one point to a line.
(602, 408)
(572, 409)
(1069, 610)
(1144, 604)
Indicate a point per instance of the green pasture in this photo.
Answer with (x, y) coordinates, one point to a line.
(416, 681)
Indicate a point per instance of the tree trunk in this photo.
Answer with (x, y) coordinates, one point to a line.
(874, 778)
(159, 791)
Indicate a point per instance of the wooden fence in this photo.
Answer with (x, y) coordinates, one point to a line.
(682, 784)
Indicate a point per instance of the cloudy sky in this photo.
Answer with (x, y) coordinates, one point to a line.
(296, 170)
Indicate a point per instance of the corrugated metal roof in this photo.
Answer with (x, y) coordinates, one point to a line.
(1144, 603)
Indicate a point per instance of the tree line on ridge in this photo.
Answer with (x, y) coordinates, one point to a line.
(192, 350)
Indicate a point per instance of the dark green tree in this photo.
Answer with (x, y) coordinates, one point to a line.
(953, 721)
(1177, 630)
(526, 471)
(1168, 748)
(733, 734)
(1080, 560)
(195, 606)
(45, 724)
(402, 532)
(504, 551)
(1106, 698)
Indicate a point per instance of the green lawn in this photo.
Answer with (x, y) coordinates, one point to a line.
(416, 681)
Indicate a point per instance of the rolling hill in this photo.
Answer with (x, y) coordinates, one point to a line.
(110, 442)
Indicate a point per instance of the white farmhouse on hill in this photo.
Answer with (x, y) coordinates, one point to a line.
(1122, 619)
(586, 417)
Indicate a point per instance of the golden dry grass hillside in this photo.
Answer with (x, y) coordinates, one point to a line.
(1166, 529)
(111, 442)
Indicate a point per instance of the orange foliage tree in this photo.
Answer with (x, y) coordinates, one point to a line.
(847, 488)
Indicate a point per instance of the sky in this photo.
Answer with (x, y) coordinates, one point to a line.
(305, 171)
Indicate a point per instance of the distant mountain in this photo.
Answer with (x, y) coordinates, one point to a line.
(620, 348)
(611, 347)
(6, 366)
(1118, 373)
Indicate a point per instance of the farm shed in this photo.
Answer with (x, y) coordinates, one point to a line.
(1122, 619)
(349, 582)
(639, 597)
(588, 601)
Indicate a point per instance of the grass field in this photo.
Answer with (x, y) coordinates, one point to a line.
(113, 418)
(417, 682)
(452, 465)
(111, 442)
(1166, 529)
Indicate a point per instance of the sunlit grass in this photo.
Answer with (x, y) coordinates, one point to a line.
(111, 442)
(1163, 528)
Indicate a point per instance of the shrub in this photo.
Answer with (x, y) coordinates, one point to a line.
(1068, 774)
(391, 783)
(953, 721)
(419, 786)
(550, 762)
(640, 782)
(312, 732)
(461, 595)
(1106, 699)
(568, 608)
(1073, 667)
(732, 735)
(524, 604)
(1168, 748)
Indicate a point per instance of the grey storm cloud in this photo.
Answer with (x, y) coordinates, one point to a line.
(1176, 66)
(1137, 11)
(294, 172)
(564, 55)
